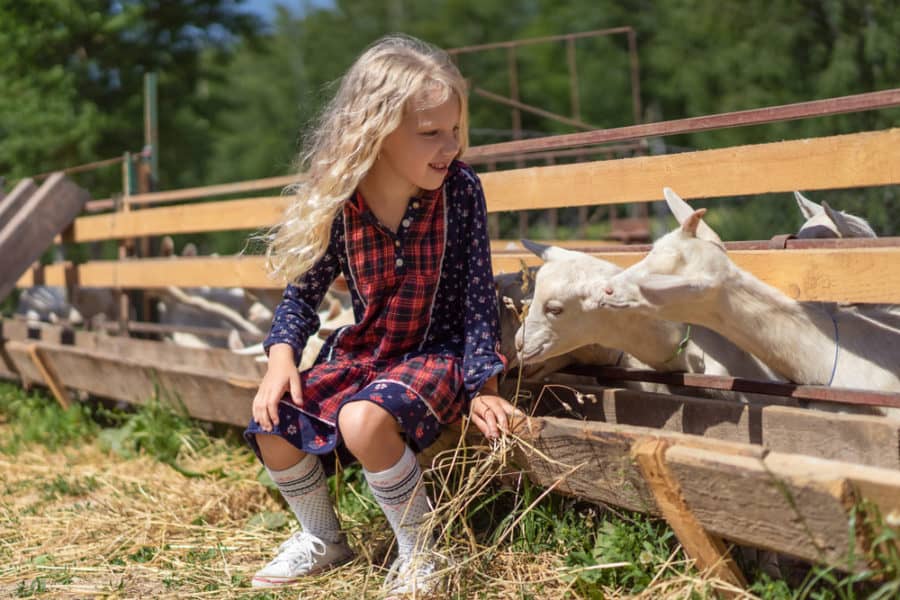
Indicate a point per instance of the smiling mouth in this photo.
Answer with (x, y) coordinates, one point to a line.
(438, 166)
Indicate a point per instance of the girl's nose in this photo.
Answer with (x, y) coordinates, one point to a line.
(451, 146)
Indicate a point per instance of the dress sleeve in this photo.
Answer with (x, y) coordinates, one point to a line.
(295, 318)
(481, 358)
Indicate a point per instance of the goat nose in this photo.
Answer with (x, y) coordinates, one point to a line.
(608, 290)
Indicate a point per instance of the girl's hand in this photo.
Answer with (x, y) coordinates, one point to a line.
(281, 376)
(491, 414)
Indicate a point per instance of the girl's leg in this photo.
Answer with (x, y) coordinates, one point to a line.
(301, 480)
(391, 470)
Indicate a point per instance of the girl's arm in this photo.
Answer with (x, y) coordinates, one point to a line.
(482, 360)
(295, 318)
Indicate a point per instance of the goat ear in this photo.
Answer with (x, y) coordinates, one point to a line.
(681, 209)
(809, 208)
(685, 213)
(548, 253)
(839, 219)
(535, 248)
(666, 289)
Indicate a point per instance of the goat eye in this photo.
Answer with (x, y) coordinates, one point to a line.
(552, 309)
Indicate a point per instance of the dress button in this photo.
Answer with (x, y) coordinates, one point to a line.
(415, 205)
(405, 222)
(397, 243)
(399, 262)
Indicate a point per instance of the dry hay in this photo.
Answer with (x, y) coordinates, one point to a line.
(84, 523)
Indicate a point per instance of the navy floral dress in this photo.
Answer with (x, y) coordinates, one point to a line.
(426, 332)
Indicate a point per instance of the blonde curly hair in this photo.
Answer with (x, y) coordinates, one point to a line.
(395, 75)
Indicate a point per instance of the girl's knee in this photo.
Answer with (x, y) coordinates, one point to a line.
(362, 421)
(277, 453)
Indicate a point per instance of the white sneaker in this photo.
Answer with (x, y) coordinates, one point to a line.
(302, 554)
(412, 576)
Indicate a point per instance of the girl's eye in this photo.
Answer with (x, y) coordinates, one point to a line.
(430, 133)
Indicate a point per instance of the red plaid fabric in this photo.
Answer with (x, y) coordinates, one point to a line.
(396, 276)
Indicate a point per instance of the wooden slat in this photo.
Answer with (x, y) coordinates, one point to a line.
(31, 229)
(229, 215)
(207, 394)
(709, 552)
(853, 160)
(791, 504)
(595, 458)
(11, 203)
(822, 274)
(45, 367)
(787, 503)
(157, 353)
(862, 439)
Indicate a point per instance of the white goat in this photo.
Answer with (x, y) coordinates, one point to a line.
(567, 312)
(514, 293)
(822, 221)
(689, 277)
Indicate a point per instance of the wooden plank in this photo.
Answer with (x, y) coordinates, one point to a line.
(708, 551)
(157, 353)
(820, 274)
(207, 394)
(249, 213)
(595, 458)
(32, 228)
(841, 161)
(791, 504)
(862, 439)
(13, 202)
(45, 366)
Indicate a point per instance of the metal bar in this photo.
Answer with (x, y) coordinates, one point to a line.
(151, 131)
(517, 106)
(574, 100)
(743, 118)
(571, 152)
(538, 40)
(635, 76)
(81, 168)
(818, 393)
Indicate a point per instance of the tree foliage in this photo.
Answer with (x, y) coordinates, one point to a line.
(235, 96)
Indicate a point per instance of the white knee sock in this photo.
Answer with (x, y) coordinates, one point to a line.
(305, 488)
(403, 501)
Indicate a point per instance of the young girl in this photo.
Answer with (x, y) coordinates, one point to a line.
(384, 201)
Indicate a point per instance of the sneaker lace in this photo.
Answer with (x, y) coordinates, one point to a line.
(300, 548)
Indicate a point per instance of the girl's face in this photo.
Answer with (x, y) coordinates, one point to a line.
(420, 150)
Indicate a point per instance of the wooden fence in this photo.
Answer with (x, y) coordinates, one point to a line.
(801, 482)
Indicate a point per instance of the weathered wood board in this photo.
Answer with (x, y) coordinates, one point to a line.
(206, 394)
(792, 504)
(863, 439)
(32, 228)
(12, 202)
